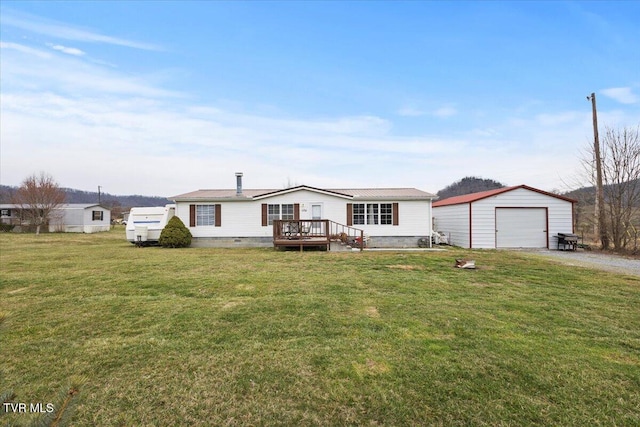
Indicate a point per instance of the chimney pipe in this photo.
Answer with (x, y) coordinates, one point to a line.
(238, 183)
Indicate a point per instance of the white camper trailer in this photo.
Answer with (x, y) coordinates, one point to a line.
(144, 225)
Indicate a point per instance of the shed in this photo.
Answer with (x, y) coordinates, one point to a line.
(69, 218)
(81, 218)
(510, 217)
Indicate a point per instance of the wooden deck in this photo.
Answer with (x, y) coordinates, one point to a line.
(301, 233)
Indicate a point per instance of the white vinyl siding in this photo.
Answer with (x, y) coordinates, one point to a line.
(454, 222)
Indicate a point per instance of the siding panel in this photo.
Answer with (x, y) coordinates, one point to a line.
(454, 222)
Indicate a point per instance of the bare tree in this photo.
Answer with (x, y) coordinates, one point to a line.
(39, 196)
(620, 157)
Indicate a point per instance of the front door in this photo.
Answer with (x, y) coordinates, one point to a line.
(316, 213)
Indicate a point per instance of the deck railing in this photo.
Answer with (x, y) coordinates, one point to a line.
(348, 235)
(298, 229)
(307, 232)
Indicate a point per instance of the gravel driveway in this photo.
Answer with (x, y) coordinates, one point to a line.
(595, 259)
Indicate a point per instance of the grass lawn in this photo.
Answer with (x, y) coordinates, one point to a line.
(206, 337)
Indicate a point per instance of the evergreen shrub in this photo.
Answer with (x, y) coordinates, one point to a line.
(175, 234)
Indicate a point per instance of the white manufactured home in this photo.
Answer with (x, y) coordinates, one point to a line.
(81, 218)
(388, 217)
(69, 218)
(510, 217)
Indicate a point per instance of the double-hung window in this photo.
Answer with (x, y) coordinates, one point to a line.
(285, 212)
(386, 213)
(97, 215)
(205, 215)
(372, 213)
(358, 214)
(273, 213)
(288, 212)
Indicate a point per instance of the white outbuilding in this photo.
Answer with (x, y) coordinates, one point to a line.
(67, 218)
(510, 217)
(80, 218)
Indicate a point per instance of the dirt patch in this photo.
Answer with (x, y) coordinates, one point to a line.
(371, 367)
(17, 291)
(231, 304)
(621, 358)
(372, 312)
(404, 267)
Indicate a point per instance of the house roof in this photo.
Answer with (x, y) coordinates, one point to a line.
(63, 206)
(350, 193)
(474, 197)
(80, 205)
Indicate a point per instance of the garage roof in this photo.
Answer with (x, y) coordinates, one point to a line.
(473, 197)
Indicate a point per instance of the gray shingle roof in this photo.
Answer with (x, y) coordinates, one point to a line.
(353, 193)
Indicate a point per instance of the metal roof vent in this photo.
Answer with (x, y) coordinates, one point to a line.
(238, 183)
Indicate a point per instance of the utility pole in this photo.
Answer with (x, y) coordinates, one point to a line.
(99, 201)
(602, 228)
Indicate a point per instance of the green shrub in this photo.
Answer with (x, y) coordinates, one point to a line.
(175, 234)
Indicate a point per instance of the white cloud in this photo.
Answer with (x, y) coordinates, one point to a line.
(67, 50)
(64, 31)
(624, 95)
(24, 49)
(22, 66)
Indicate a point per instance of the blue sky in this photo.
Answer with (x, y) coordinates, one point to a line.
(162, 98)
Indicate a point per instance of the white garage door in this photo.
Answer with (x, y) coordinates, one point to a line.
(521, 227)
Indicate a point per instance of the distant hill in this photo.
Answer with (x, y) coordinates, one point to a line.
(124, 203)
(469, 184)
(587, 195)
